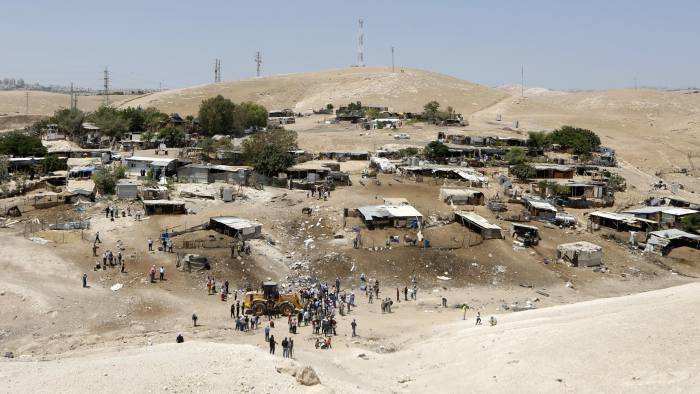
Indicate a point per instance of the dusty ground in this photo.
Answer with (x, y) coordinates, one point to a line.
(420, 347)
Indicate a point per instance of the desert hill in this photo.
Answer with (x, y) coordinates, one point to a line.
(405, 90)
(13, 102)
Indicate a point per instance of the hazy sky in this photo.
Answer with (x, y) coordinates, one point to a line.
(562, 44)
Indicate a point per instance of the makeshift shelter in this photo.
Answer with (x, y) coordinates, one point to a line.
(127, 189)
(667, 216)
(202, 173)
(619, 222)
(137, 165)
(164, 207)
(50, 199)
(525, 234)
(541, 209)
(553, 171)
(194, 262)
(461, 196)
(663, 241)
(388, 215)
(236, 227)
(478, 224)
(580, 254)
(395, 201)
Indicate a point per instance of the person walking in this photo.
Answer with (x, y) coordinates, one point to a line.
(194, 319)
(478, 318)
(233, 311)
(94, 250)
(123, 269)
(84, 280)
(354, 326)
(267, 333)
(272, 344)
(119, 257)
(97, 238)
(398, 295)
(150, 245)
(444, 302)
(464, 311)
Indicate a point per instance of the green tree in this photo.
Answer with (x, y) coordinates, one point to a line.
(106, 178)
(430, 110)
(616, 182)
(537, 140)
(154, 119)
(515, 156)
(578, 140)
(691, 223)
(110, 121)
(248, 115)
(20, 144)
(253, 146)
(135, 118)
(523, 171)
(272, 160)
(216, 115)
(69, 120)
(208, 146)
(408, 152)
(172, 136)
(53, 163)
(436, 151)
(372, 113)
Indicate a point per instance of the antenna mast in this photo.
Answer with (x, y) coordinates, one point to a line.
(106, 87)
(522, 81)
(217, 70)
(26, 108)
(258, 62)
(392, 59)
(360, 43)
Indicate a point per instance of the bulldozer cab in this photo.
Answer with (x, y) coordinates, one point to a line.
(270, 291)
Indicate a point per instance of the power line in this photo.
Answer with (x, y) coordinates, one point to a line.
(106, 87)
(258, 62)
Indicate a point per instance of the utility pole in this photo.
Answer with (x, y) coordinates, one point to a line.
(217, 70)
(392, 59)
(26, 108)
(258, 62)
(522, 81)
(106, 87)
(73, 98)
(360, 43)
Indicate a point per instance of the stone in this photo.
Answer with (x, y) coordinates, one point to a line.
(307, 376)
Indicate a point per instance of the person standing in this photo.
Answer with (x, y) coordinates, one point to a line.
(267, 333)
(405, 293)
(464, 311)
(233, 311)
(94, 250)
(97, 238)
(354, 326)
(194, 319)
(123, 267)
(272, 344)
(84, 280)
(478, 318)
(162, 273)
(285, 350)
(444, 302)
(119, 257)
(398, 295)
(150, 245)
(238, 308)
(290, 348)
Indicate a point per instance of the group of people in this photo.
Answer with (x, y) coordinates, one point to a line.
(152, 273)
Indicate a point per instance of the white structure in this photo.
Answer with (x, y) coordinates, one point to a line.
(580, 254)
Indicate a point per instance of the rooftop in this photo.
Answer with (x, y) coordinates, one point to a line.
(477, 219)
(235, 222)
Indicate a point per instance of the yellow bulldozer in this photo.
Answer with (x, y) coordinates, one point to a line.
(270, 301)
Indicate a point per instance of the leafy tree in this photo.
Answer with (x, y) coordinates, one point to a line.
(253, 146)
(578, 140)
(372, 113)
(537, 140)
(135, 118)
(430, 110)
(515, 156)
(208, 146)
(216, 115)
(691, 223)
(19, 144)
(408, 152)
(106, 178)
(110, 121)
(249, 115)
(272, 159)
(615, 182)
(172, 136)
(154, 119)
(523, 171)
(436, 151)
(53, 163)
(68, 120)
(329, 107)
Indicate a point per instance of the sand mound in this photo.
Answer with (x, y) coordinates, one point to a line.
(401, 91)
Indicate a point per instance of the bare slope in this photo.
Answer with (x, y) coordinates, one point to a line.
(14, 102)
(408, 90)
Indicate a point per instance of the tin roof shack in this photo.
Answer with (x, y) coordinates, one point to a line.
(541, 210)
(553, 171)
(619, 222)
(461, 196)
(139, 166)
(388, 215)
(85, 189)
(164, 207)
(43, 200)
(476, 152)
(128, 189)
(666, 216)
(525, 234)
(467, 174)
(236, 227)
(343, 155)
(83, 167)
(585, 194)
(663, 241)
(478, 224)
(155, 193)
(205, 173)
(581, 254)
(383, 164)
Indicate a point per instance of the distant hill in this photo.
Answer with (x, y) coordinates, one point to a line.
(404, 91)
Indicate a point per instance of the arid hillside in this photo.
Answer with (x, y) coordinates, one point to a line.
(14, 102)
(404, 90)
